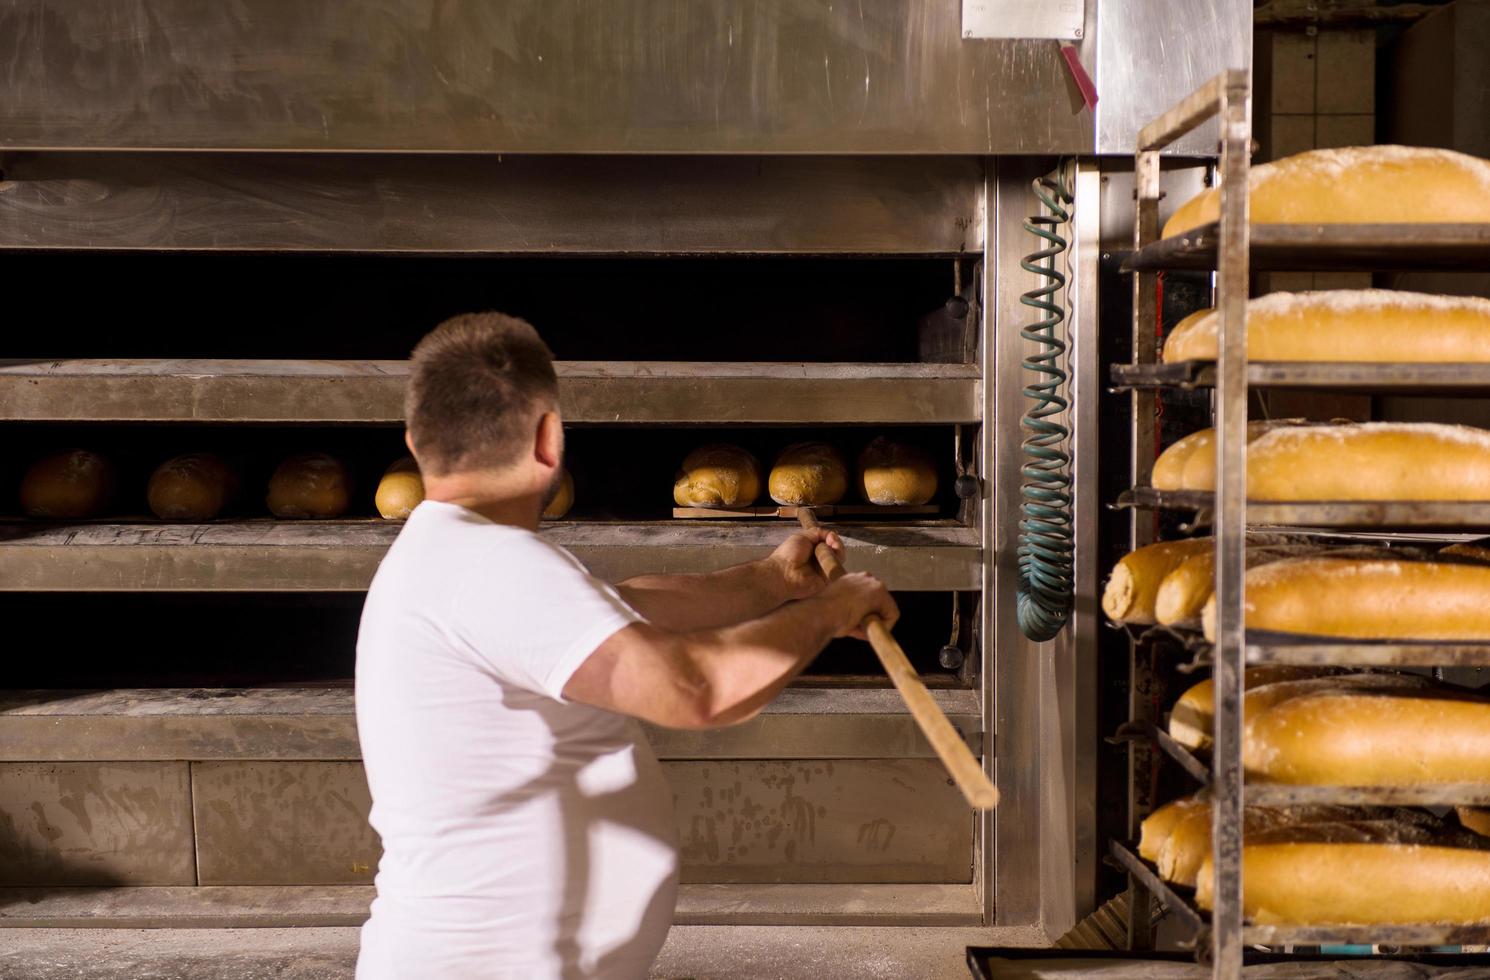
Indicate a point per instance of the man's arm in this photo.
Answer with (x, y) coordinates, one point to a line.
(681, 603)
(718, 677)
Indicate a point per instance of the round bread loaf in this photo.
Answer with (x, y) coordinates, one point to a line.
(1300, 883)
(1366, 599)
(310, 485)
(717, 475)
(1355, 185)
(193, 487)
(1193, 715)
(1357, 461)
(808, 474)
(894, 474)
(73, 484)
(1190, 463)
(563, 499)
(1135, 580)
(1370, 738)
(400, 490)
(1347, 325)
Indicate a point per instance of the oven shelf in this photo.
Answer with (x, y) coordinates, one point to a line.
(1328, 248)
(1463, 380)
(1379, 515)
(592, 392)
(317, 723)
(341, 556)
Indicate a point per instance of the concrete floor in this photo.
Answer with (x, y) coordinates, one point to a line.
(696, 952)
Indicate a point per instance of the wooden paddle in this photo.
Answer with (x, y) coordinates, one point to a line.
(945, 739)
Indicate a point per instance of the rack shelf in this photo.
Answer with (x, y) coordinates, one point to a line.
(1327, 248)
(1462, 380)
(371, 392)
(1382, 515)
(341, 556)
(162, 724)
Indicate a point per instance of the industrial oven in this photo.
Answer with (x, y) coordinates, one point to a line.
(224, 227)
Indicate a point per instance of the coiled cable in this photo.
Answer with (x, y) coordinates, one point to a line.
(1046, 541)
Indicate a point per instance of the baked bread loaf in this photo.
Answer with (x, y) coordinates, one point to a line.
(73, 484)
(717, 475)
(1134, 583)
(1347, 325)
(1372, 883)
(1366, 599)
(194, 487)
(1193, 715)
(1355, 185)
(1189, 843)
(894, 474)
(1185, 591)
(400, 490)
(1467, 551)
(1190, 463)
(563, 499)
(1370, 738)
(310, 485)
(808, 474)
(1157, 826)
(1357, 461)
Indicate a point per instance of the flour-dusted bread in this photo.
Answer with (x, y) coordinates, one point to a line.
(73, 484)
(809, 474)
(1367, 599)
(717, 475)
(1355, 185)
(1193, 715)
(1353, 461)
(1370, 738)
(1190, 463)
(1303, 883)
(1382, 325)
(310, 485)
(563, 499)
(193, 487)
(895, 474)
(400, 490)
(1135, 580)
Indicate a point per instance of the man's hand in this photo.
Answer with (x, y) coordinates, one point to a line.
(857, 596)
(793, 570)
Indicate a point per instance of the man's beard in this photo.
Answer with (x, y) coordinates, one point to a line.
(553, 486)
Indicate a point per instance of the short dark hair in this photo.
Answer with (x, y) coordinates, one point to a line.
(478, 384)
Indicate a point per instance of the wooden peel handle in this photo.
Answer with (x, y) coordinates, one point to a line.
(945, 740)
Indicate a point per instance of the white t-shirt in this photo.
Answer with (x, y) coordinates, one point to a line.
(524, 836)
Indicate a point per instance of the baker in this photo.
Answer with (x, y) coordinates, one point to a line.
(527, 829)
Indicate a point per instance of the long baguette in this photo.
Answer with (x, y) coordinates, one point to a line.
(1370, 738)
(1300, 883)
(1290, 460)
(1381, 184)
(1380, 325)
(1193, 715)
(1364, 599)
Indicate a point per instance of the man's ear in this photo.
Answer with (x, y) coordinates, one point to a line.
(549, 449)
(409, 441)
